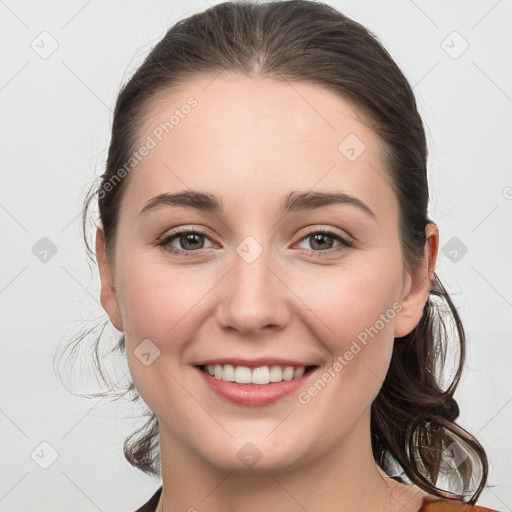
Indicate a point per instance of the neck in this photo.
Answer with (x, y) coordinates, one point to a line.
(344, 479)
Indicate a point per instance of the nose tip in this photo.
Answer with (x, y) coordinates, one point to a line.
(252, 299)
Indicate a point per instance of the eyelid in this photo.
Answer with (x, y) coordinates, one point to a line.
(175, 233)
(328, 230)
(346, 242)
(187, 229)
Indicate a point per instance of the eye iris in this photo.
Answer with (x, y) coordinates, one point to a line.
(191, 238)
(321, 237)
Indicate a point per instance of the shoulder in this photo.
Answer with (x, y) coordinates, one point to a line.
(428, 505)
(431, 503)
(438, 505)
(150, 505)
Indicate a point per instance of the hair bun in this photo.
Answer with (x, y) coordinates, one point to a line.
(452, 409)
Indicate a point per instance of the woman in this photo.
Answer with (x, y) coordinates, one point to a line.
(264, 247)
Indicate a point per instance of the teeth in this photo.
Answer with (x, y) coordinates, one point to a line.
(228, 372)
(276, 374)
(260, 375)
(298, 372)
(288, 373)
(242, 375)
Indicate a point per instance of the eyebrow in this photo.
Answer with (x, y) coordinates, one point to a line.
(295, 201)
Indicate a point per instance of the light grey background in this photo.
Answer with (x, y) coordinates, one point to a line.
(55, 119)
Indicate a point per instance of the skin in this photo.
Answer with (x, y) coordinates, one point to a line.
(251, 141)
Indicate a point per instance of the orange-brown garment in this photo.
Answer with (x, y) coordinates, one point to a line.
(428, 505)
(436, 505)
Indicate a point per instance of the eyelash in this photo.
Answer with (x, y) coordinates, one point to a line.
(345, 243)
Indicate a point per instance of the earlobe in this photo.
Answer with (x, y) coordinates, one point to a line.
(108, 294)
(416, 289)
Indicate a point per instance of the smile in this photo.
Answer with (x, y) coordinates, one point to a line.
(261, 375)
(254, 383)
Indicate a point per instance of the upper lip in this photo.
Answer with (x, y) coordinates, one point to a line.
(254, 363)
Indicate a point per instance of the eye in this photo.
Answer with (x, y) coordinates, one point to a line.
(323, 241)
(190, 241)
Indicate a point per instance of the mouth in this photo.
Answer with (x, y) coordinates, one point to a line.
(253, 384)
(261, 375)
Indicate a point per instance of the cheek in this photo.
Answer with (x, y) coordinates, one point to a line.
(158, 301)
(349, 310)
(160, 304)
(357, 310)
(357, 307)
(355, 301)
(165, 304)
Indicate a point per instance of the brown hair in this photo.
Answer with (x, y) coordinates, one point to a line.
(413, 417)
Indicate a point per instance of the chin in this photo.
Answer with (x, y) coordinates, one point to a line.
(258, 455)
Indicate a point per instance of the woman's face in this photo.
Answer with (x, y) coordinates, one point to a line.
(257, 285)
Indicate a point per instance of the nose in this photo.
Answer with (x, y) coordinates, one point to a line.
(254, 297)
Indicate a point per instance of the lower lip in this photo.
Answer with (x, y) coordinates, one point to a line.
(254, 395)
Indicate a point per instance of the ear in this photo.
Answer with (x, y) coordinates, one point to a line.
(416, 287)
(108, 295)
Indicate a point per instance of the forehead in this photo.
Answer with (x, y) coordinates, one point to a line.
(231, 111)
(236, 134)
